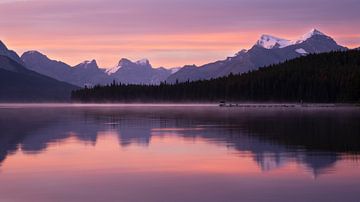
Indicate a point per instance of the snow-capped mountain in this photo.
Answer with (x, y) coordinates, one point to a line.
(271, 42)
(266, 51)
(310, 34)
(139, 72)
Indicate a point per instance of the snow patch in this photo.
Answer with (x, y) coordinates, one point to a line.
(310, 34)
(175, 69)
(301, 51)
(112, 70)
(270, 42)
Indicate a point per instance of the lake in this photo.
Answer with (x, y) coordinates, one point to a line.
(178, 153)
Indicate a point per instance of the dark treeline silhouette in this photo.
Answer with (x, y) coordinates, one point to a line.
(327, 77)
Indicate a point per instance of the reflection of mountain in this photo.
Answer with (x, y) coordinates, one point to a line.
(274, 138)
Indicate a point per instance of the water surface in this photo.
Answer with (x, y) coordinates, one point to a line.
(178, 153)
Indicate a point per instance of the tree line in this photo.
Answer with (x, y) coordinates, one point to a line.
(326, 77)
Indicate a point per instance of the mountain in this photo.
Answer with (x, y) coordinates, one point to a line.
(88, 73)
(139, 72)
(267, 50)
(327, 77)
(18, 84)
(40, 63)
(4, 51)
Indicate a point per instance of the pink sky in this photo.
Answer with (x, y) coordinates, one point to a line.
(168, 32)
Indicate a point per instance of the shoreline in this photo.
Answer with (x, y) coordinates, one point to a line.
(226, 105)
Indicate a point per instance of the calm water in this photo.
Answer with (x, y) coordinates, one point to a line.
(178, 153)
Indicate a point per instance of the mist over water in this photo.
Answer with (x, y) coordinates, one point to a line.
(178, 153)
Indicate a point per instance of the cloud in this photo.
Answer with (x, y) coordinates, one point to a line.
(138, 24)
(10, 1)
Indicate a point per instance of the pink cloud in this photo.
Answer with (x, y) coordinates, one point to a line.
(169, 32)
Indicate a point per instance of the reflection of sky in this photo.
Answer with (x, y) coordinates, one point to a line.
(168, 32)
(170, 168)
(133, 132)
(175, 154)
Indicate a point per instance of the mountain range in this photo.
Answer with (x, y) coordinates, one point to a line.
(332, 77)
(267, 50)
(82, 74)
(19, 84)
(88, 73)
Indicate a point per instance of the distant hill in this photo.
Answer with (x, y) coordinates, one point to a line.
(268, 50)
(326, 77)
(18, 84)
(88, 73)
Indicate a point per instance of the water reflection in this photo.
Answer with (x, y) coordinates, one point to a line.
(314, 138)
(175, 153)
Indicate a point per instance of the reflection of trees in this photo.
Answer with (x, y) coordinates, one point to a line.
(273, 138)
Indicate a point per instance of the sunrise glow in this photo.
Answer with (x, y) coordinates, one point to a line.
(169, 34)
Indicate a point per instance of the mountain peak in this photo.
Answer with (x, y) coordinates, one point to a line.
(311, 33)
(2, 46)
(315, 31)
(33, 53)
(9, 53)
(87, 64)
(270, 42)
(124, 61)
(143, 62)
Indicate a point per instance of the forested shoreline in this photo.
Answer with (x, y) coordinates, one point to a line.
(328, 77)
